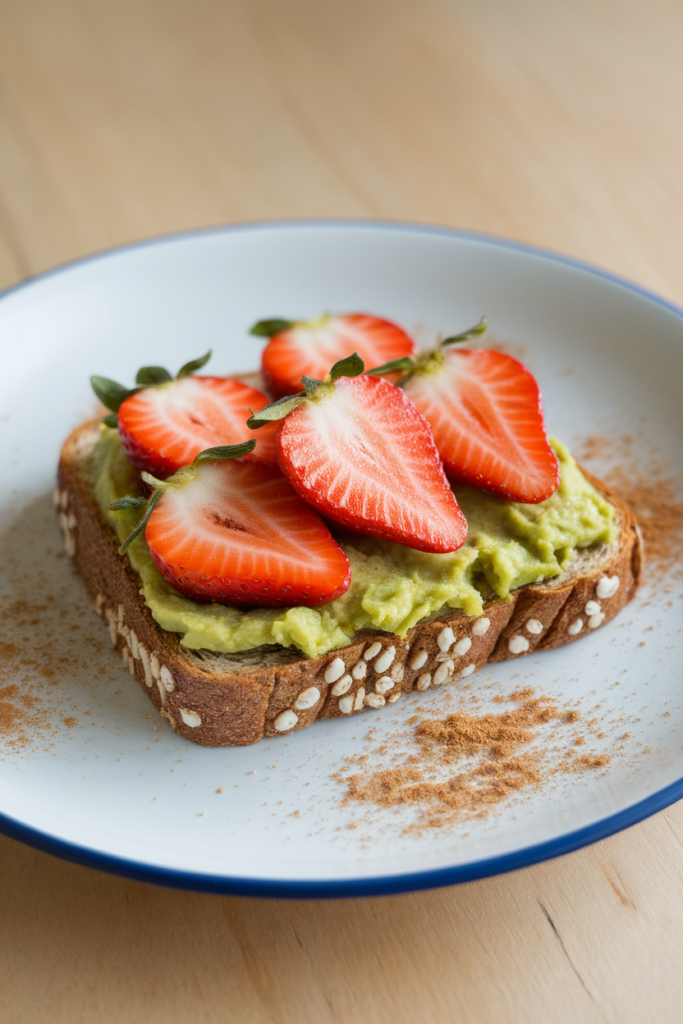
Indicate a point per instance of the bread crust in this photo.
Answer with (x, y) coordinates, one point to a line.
(235, 700)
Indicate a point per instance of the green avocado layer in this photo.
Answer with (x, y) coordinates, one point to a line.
(392, 586)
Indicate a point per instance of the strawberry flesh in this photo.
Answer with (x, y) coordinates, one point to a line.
(164, 428)
(236, 533)
(310, 349)
(486, 414)
(363, 456)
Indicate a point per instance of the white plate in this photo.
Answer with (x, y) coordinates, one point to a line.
(114, 788)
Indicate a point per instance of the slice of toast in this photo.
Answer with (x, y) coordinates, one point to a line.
(236, 699)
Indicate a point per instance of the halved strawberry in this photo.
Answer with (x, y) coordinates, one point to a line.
(162, 428)
(235, 533)
(357, 449)
(298, 349)
(486, 414)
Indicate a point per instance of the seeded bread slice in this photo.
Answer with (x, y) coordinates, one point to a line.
(236, 699)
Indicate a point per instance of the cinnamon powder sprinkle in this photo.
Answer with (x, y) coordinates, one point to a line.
(29, 706)
(652, 494)
(443, 789)
(592, 761)
(45, 641)
(498, 735)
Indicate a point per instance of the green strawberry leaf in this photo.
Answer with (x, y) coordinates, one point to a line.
(310, 384)
(195, 364)
(277, 411)
(478, 328)
(405, 363)
(129, 502)
(226, 451)
(269, 328)
(111, 420)
(351, 366)
(149, 376)
(110, 393)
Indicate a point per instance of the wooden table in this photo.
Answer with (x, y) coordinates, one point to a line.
(558, 124)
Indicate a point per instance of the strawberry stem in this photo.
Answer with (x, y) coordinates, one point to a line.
(154, 483)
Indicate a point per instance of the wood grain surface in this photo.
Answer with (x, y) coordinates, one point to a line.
(554, 123)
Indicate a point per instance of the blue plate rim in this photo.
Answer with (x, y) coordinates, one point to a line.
(380, 885)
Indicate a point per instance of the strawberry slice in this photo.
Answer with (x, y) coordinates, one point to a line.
(357, 449)
(164, 427)
(235, 533)
(486, 414)
(298, 349)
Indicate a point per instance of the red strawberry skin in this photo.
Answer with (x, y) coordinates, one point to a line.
(486, 414)
(236, 533)
(363, 456)
(311, 349)
(164, 428)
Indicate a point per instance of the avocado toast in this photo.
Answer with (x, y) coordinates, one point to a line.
(531, 576)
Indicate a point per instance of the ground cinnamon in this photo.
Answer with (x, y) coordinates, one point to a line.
(45, 634)
(651, 492)
(503, 746)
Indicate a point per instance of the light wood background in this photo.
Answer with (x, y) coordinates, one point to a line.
(556, 123)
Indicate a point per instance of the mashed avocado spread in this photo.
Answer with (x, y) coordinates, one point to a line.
(392, 586)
